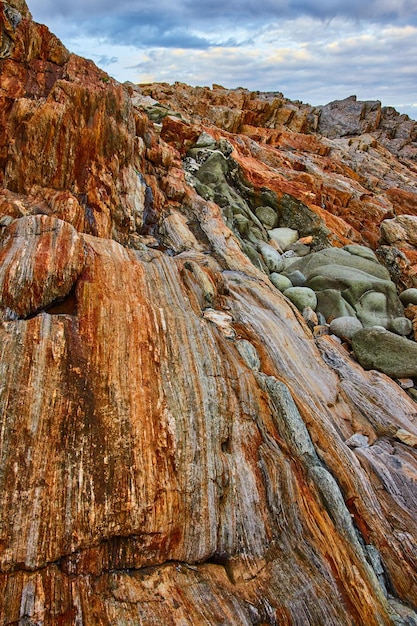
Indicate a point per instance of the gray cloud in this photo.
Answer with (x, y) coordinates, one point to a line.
(312, 50)
(169, 20)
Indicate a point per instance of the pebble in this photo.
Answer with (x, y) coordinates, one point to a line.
(284, 236)
(345, 327)
(405, 383)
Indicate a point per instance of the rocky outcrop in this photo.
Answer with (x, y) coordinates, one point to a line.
(179, 444)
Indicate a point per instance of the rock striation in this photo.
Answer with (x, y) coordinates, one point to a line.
(181, 441)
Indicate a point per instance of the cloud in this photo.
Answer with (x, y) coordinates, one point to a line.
(192, 11)
(104, 60)
(311, 50)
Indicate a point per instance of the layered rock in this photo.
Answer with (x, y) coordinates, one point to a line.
(176, 445)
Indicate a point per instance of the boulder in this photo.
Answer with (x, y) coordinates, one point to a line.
(331, 304)
(345, 327)
(272, 258)
(379, 349)
(284, 236)
(400, 230)
(280, 281)
(401, 326)
(362, 251)
(302, 297)
(267, 216)
(409, 296)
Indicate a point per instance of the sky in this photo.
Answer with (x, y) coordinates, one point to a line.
(315, 51)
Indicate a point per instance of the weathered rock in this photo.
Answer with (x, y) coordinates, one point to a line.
(271, 257)
(302, 297)
(377, 348)
(40, 260)
(400, 230)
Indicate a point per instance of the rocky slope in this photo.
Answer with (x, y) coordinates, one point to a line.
(190, 279)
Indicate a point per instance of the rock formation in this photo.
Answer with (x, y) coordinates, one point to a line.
(179, 443)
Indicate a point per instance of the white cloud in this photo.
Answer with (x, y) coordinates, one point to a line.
(315, 51)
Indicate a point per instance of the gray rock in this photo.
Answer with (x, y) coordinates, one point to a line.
(280, 281)
(331, 303)
(362, 251)
(301, 297)
(372, 309)
(205, 141)
(357, 441)
(409, 296)
(12, 15)
(271, 257)
(249, 354)
(357, 288)
(297, 278)
(213, 169)
(345, 327)
(335, 256)
(320, 318)
(267, 216)
(242, 224)
(300, 249)
(401, 326)
(379, 349)
(284, 236)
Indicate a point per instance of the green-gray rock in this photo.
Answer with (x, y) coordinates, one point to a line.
(213, 169)
(267, 216)
(362, 251)
(401, 326)
(271, 257)
(280, 281)
(379, 349)
(409, 296)
(302, 297)
(297, 278)
(331, 303)
(336, 256)
(345, 327)
(372, 309)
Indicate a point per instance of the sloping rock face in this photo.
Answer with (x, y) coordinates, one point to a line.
(176, 445)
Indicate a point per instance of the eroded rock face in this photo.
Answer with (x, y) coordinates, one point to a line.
(176, 447)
